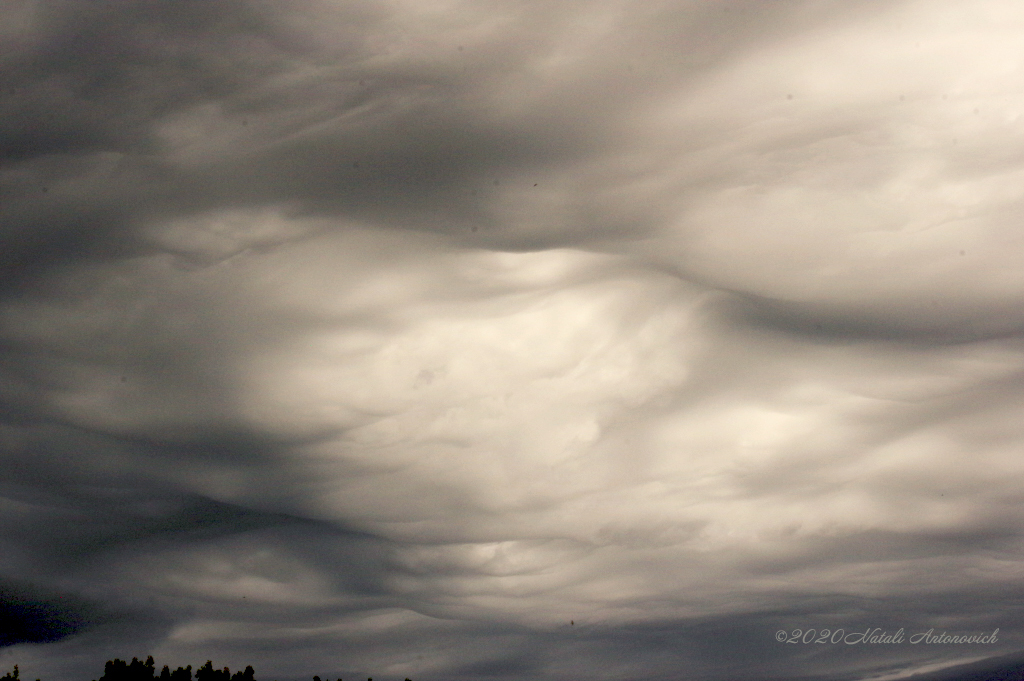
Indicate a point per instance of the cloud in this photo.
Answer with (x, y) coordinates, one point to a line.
(453, 340)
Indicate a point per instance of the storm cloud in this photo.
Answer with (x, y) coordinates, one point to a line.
(546, 340)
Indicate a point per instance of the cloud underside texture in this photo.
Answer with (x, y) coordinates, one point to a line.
(394, 337)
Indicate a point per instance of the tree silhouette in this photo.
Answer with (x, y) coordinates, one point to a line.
(182, 674)
(119, 670)
(208, 673)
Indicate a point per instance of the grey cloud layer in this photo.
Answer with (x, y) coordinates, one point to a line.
(392, 338)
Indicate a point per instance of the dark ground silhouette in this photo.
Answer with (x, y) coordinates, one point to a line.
(119, 670)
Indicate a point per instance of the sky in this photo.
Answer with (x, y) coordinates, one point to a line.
(512, 339)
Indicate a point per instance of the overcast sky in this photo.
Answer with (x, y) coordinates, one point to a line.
(510, 339)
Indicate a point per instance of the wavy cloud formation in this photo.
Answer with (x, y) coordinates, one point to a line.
(549, 340)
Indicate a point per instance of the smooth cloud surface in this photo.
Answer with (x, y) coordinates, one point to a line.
(516, 340)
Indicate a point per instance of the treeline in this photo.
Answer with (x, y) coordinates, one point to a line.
(119, 670)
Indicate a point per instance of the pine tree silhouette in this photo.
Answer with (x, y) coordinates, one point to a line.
(10, 676)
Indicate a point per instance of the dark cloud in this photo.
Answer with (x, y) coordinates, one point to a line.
(936, 322)
(504, 340)
(93, 76)
(29, 616)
